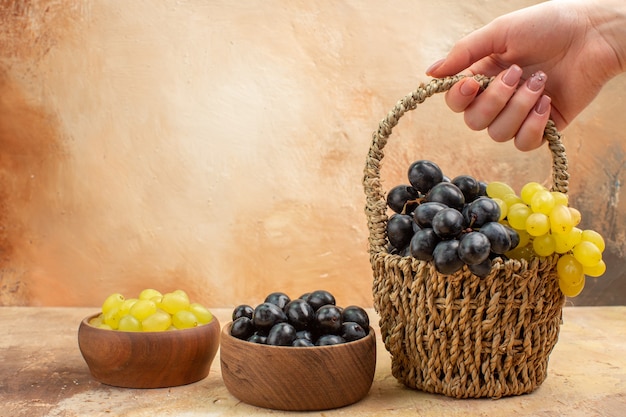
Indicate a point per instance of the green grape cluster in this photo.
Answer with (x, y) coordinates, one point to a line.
(151, 311)
(547, 225)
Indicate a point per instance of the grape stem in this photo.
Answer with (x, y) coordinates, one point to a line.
(417, 201)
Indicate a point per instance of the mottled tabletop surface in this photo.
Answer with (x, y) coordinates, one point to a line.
(42, 373)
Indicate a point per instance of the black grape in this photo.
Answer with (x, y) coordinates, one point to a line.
(424, 175)
(300, 314)
(499, 237)
(400, 230)
(319, 298)
(515, 237)
(242, 328)
(448, 194)
(351, 331)
(267, 315)
(424, 213)
(281, 334)
(482, 189)
(474, 248)
(482, 269)
(243, 310)
(423, 244)
(468, 185)
(446, 258)
(401, 199)
(328, 319)
(356, 314)
(448, 223)
(279, 298)
(480, 211)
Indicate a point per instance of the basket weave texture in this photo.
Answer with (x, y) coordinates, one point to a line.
(460, 335)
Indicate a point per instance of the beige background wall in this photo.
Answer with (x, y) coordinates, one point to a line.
(218, 146)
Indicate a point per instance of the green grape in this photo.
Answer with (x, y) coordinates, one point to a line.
(571, 289)
(528, 190)
(184, 319)
(126, 306)
(112, 318)
(497, 189)
(203, 314)
(561, 220)
(537, 224)
(595, 271)
(173, 302)
(544, 245)
(524, 238)
(182, 294)
(576, 216)
(522, 252)
(97, 321)
(511, 199)
(587, 253)
(565, 242)
(560, 198)
(149, 294)
(595, 238)
(142, 309)
(129, 323)
(112, 301)
(567, 267)
(503, 208)
(542, 201)
(571, 275)
(157, 322)
(517, 215)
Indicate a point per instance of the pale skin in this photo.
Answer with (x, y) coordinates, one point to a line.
(550, 61)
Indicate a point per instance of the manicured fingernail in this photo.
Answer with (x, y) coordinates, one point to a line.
(512, 76)
(537, 81)
(469, 87)
(434, 66)
(542, 105)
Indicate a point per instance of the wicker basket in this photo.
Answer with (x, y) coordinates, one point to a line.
(461, 335)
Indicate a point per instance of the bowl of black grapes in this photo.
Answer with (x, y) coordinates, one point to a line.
(298, 354)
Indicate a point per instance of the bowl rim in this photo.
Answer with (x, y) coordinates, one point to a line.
(85, 322)
(226, 334)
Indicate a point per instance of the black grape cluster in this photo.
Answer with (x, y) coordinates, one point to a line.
(450, 222)
(313, 319)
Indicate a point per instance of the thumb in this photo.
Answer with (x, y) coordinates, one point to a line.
(468, 50)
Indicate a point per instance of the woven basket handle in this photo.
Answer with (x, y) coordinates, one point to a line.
(376, 204)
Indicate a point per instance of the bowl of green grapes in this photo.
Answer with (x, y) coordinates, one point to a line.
(154, 340)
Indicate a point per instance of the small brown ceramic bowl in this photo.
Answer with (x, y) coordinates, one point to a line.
(149, 359)
(298, 378)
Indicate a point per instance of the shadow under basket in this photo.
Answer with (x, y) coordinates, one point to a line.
(461, 335)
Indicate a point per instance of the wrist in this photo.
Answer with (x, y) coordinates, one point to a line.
(608, 18)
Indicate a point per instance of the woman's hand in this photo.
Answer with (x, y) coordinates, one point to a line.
(550, 60)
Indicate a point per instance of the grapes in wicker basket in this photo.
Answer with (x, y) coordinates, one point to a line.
(547, 225)
(441, 220)
(465, 221)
